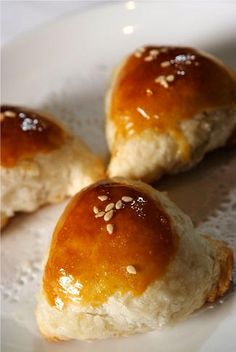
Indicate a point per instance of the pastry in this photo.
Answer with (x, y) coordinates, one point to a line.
(41, 162)
(124, 259)
(166, 108)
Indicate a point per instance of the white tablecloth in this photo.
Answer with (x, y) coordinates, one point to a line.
(19, 17)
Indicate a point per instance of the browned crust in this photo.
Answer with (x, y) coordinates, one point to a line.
(224, 255)
(4, 221)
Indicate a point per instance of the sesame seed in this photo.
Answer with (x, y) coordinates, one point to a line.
(162, 81)
(108, 215)
(9, 113)
(95, 210)
(149, 92)
(100, 214)
(148, 58)
(109, 206)
(130, 132)
(131, 269)
(156, 116)
(110, 228)
(170, 78)
(138, 54)
(129, 125)
(127, 199)
(118, 204)
(102, 198)
(143, 113)
(154, 52)
(188, 62)
(165, 63)
(196, 63)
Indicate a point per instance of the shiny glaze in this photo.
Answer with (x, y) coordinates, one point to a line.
(25, 133)
(87, 264)
(138, 102)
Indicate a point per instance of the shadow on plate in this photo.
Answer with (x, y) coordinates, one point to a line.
(205, 188)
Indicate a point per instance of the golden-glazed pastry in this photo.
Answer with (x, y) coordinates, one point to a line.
(166, 108)
(124, 259)
(40, 162)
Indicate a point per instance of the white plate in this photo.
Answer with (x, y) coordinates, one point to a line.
(64, 67)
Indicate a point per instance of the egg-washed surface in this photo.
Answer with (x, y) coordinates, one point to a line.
(158, 87)
(24, 133)
(111, 238)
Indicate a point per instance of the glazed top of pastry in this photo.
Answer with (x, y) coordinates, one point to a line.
(111, 238)
(157, 87)
(25, 133)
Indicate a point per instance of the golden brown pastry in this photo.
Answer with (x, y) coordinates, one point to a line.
(124, 259)
(41, 162)
(166, 108)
